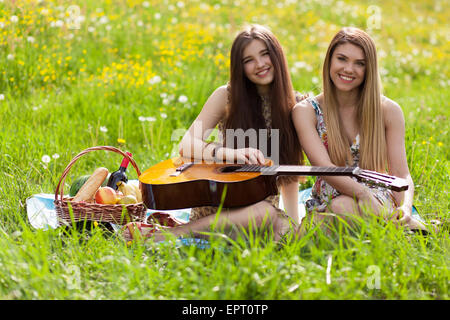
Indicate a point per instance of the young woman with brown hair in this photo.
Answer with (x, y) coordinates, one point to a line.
(352, 124)
(259, 96)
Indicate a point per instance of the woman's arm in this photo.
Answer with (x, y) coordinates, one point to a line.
(193, 144)
(397, 161)
(304, 118)
(289, 194)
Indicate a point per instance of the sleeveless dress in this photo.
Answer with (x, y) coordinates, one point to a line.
(322, 193)
(274, 200)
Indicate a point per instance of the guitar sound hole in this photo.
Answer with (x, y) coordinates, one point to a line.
(229, 169)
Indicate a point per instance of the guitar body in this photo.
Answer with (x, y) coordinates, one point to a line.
(202, 184)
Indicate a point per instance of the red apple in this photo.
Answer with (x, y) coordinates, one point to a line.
(106, 195)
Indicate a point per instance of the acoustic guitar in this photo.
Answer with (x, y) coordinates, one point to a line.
(181, 183)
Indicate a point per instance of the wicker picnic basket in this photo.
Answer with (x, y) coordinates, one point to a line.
(68, 211)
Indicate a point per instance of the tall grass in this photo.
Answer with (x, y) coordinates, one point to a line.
(137, 71)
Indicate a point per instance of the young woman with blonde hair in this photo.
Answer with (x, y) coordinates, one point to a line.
(352, 124)
(259, 96)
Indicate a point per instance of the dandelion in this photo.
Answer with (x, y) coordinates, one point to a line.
(300, 64)
(182, 99)
(163, 115)
(121, 141)
(154, 80)
(2, 97)
(103, 20)
(142, 119)
(30, 39)
(150, 119)
(440, 144)
(55, 156)
(10, 57)
(103, 129)
(45, 158)
(145, 4)
(14, 19)
(157, 16)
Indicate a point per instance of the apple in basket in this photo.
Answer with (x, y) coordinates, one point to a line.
(106, 195)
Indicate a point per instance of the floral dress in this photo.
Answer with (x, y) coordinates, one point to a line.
(199, 212)
(322, 193)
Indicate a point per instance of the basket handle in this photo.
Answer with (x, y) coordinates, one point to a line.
(67, 169)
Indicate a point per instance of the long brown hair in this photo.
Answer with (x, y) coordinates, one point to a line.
(373, 153)
(245, 105)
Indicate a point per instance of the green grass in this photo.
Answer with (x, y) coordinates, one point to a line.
(66, 90)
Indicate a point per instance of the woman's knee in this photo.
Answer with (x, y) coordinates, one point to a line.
(343, 204)
(262, 213)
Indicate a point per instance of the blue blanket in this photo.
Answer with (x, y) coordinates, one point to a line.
(41, 210)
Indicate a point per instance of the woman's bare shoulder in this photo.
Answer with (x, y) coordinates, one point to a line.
(221, 92)
(389, 105)
(391, 110)
(222, 89)
(218, 99)
(305, 104)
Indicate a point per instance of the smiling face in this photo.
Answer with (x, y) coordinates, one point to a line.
(257, 64)
(348, 67)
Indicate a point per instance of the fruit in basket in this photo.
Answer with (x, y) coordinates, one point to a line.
(129, 199)
(90, 187)
(138, 192)
(129, 189)
(106, 195)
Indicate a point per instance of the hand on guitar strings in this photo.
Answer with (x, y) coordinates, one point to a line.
(243, 155)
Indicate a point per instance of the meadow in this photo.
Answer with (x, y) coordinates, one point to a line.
(76, 74)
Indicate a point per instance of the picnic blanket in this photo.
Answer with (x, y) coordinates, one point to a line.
(42, 215)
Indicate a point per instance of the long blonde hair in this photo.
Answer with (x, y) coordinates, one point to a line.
(373, 153)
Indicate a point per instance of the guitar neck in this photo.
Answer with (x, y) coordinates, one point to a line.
(371, 177)
(298, 170)
(314, 171)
